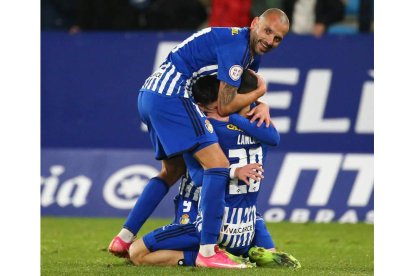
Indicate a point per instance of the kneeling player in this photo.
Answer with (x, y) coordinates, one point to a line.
(242, 230)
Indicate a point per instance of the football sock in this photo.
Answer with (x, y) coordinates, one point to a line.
(207, 250)
(152, 195)
(212, 204)
(190, 258)
(126, 235)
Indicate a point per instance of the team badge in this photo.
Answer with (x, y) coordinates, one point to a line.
(185, 219)
(234, 31)
(209, 126)
(235, 72)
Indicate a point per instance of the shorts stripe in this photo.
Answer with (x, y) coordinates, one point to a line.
(203, 130)
(199, 130)
(169, 231)
(189, 114)
(185, 229)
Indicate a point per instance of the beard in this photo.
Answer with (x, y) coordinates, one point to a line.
(262, 46)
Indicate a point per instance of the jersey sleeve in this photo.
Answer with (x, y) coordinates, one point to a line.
(266, 135)
(232, 47)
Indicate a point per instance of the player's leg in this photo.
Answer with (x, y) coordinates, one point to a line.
(262, 237)
(170, 245)
(153, 193)
(212, 202)
(181, 127)
(216, 177)
(140, 255)
(157, 188)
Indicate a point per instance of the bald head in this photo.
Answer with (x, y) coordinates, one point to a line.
(275, 12)
(268, 30)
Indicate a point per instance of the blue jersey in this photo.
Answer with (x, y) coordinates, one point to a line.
(224, 52)
(239, 218)
(242, 226)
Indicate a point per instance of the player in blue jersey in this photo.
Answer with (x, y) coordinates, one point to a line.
(166, 106)
(242, 231)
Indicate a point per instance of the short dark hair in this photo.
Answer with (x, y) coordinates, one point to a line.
(205, 89)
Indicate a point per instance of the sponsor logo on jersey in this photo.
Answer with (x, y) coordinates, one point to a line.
(209, 126)
(229, 229)
(233, 127)
(235, 72)
(234, 31)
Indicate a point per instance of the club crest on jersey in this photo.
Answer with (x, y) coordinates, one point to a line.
(235, 72)
(185, 219)
(234, 31)
(209, 126)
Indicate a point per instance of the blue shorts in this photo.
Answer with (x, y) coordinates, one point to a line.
(181, 237)
(175, 124)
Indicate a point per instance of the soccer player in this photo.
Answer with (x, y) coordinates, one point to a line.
(166, 106)
(242, 231)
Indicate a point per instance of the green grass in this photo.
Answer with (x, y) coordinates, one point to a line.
(77, 246)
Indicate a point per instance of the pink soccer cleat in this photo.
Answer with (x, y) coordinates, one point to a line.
(221, 259)
(119, 248)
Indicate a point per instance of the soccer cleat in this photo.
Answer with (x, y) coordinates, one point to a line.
(238, 259)
(119, 248)
(265, 258)
(222, 259)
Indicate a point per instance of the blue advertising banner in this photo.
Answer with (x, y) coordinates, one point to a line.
(96, 155)
(298, 187)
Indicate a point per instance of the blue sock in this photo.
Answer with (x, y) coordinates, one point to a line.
(152, 195)
(190, 258)
(212, 203)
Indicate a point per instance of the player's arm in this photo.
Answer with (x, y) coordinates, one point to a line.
(266, 135)
(229, 101)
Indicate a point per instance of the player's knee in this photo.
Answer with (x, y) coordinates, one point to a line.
(170, 177)
(137, 252)
(172, 171)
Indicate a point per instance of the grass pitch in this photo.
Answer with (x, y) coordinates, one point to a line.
(77, 246)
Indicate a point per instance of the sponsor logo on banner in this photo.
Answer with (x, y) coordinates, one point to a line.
(73, 191)
(322, 171)
(327, 166)
(122, 189)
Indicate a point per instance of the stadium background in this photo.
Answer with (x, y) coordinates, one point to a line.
(96, 156)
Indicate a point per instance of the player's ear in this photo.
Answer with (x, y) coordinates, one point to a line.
(254, 22)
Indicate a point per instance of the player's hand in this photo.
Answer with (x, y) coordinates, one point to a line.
(260, 112)
(250, 171)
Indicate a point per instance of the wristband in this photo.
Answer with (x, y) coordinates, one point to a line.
(232, 172)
